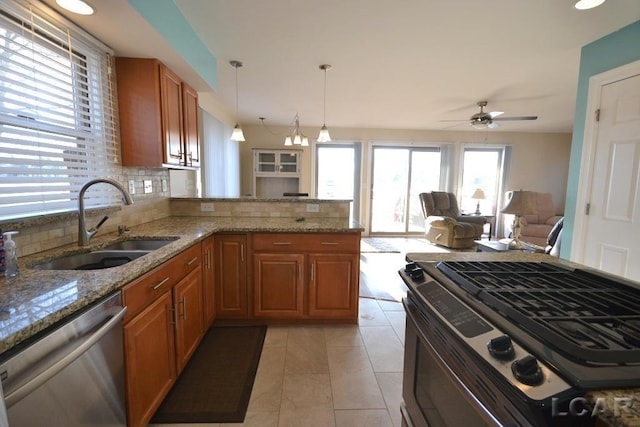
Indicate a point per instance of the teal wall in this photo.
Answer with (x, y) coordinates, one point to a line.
(167, 19)
(614, 50)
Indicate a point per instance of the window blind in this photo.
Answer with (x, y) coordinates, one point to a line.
(58, 113)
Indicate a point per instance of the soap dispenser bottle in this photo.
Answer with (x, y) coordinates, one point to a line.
(10, 255)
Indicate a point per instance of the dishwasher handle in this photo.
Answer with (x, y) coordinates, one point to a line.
(54, 366)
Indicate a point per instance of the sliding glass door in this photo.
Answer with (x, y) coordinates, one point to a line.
(338, 173)
(399, 175)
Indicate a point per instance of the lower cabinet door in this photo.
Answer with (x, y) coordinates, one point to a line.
(189, 319)
(333, 286)
(231, 276)
(278, 285)
(149, 359)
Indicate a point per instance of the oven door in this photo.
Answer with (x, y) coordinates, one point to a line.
(433, 394)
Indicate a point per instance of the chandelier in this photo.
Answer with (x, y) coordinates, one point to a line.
(296, 137)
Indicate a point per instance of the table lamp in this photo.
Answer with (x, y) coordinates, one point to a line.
(521, 203)
(478, 195)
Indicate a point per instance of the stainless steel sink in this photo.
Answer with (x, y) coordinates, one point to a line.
(140, 244)
(95, 260)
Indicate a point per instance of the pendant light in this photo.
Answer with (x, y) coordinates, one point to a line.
(237, 134)
(324, 136)
(588, 4)
(296, 137)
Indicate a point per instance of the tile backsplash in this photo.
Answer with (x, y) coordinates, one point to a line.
(50, 231)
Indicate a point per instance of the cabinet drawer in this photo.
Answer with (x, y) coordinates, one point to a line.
(307, 242)
(145, 289)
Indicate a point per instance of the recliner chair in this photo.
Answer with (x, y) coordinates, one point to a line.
(443, 223)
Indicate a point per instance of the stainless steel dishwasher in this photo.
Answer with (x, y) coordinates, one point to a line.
(73, 376)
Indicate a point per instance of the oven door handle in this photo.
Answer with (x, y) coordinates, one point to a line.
(413, 317)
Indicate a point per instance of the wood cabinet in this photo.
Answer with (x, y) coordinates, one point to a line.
(187, 298)
(208, 282)
(150, 359)
(306, 276)
(278, 285)
(163, 326)
(158, 115)
(231, 276)
(334, 286)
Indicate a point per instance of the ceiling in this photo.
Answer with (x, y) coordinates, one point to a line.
(396, 64)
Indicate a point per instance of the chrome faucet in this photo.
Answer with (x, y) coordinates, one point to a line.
(85, 235)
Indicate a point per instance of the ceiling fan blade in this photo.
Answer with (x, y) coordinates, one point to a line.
(517, 118)
(495, 114)
(458, 120)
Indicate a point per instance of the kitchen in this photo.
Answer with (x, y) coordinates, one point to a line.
(151, 206)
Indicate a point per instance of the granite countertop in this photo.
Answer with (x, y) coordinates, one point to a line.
(37, 299)
(616, 408)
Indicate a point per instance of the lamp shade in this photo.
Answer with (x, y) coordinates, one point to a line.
(521, 203)
(237, 134)
(478, 194)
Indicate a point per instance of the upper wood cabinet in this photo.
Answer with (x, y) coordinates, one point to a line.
(158, 115)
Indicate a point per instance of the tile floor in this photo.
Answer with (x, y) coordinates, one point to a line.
(331, 375)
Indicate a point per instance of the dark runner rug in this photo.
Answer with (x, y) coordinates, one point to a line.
(216, 384)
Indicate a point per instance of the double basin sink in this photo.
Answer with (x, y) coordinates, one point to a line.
(109, 256)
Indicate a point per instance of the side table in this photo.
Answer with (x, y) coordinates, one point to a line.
(496, 246)
(491, 220)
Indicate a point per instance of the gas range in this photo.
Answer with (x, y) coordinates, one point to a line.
(528, 334)
(586, 325)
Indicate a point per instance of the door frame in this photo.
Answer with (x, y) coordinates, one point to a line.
(589, 143)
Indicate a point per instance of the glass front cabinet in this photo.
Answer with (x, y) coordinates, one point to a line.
(277, 162)
(275, 172)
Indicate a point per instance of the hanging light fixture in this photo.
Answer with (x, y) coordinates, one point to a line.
(588, 4)
(296, 137)
(237, 134)
(324, 136)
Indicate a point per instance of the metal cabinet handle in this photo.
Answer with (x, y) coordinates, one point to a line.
(55, 366)
(312, 272)
(162, 282)
(192, 260)
(329, 243)
(281, 243)
(242, 252)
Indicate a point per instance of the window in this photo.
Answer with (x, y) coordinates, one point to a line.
(482, 168)
(57, 113)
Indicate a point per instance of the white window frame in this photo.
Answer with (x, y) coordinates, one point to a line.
(58, 113)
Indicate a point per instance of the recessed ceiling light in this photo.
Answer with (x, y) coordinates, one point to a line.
(76, 6)
(588, 4)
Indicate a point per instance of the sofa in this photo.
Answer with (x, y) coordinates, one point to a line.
(443, 223)
(536, 227)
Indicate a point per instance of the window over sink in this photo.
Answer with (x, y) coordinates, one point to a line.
(58, 114)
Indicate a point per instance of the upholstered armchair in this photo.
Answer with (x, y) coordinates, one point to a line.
(443, 223)
(536, 228)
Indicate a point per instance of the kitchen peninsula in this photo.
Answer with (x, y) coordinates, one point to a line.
(38, 299)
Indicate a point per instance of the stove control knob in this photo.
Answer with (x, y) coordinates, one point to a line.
(501, 348)
(410, 267)
(527, 371)
(416, 274)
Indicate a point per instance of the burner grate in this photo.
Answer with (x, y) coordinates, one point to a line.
(588, 317)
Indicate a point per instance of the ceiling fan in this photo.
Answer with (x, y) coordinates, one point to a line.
(483, 119)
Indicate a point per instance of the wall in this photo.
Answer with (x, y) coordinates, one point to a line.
(539, 161)
(616, 49)
(47, 232)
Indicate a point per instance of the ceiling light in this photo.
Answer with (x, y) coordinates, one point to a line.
(588, 4)
(76, 6)
(296, 137)
(324, 136)
(237, 134)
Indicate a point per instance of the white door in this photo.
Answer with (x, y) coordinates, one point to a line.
(612, 232)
